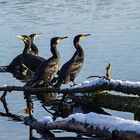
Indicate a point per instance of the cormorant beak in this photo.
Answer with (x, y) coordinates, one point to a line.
(59, 39)
(63, 37)
(83, 36)
(21, 37)
(87, 34)
(37, 35)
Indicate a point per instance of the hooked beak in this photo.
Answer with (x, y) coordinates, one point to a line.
(87, 34)
(37, 35)
(21, 37)
(63, 37)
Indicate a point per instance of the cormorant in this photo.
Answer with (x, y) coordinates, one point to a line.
(27, 41)
(29, 49)
(28, 60)
(71, 69)
(49, 67)
(34, 49)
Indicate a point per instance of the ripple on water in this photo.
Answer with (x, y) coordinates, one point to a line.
(114, 28)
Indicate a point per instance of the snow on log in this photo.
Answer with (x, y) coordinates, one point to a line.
(93, 124)
(96, 84)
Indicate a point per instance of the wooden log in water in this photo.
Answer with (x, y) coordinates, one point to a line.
(110, 127)
(102, 126)
(114, 102)
(97, 84)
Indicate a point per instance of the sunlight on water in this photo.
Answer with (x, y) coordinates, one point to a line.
(114, 28)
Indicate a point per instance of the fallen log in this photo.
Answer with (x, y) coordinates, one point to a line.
(114, 102)
(97, 84)
(92, 124)
(89, 124)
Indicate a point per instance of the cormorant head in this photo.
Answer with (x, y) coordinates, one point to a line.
(34, 36)
(24, 38)
(80, 37)
(56, 40)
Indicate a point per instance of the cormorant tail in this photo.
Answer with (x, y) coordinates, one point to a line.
(3, 68)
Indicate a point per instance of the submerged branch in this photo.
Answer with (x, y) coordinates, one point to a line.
(12, 116)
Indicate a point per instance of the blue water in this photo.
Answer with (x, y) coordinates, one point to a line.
(115, 38)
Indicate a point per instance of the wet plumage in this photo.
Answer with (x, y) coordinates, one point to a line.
(48, 68)
(30, 61)
(71, 69)
(34, 49)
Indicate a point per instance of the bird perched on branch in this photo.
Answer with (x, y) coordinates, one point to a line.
(49, 67)
(71, 69)
(32, 62)
(27, 57)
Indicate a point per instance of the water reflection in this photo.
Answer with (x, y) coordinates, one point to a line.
(57, 107)
(46, 134)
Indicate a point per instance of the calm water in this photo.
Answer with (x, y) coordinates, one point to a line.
(115, 29)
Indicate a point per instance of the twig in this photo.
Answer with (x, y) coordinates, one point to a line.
(108, 70)
(3, 95)
(97, 84)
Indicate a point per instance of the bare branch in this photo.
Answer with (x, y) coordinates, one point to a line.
(102, 130)
(97, 84)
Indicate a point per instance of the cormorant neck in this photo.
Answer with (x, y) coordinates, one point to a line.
(27, 47)
(54, 51)
(78, 48)
(76, 44)
(34, 48)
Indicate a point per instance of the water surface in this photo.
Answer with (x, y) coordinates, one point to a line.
(114, 28)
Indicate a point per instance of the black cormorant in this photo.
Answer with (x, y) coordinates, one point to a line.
(34, 49)
(30, 61)
(70, 69)
(29, 49)
(49, 67)
(27, 41)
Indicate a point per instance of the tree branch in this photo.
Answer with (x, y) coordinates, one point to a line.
(97, 84)
(88, 124)
(110, 101)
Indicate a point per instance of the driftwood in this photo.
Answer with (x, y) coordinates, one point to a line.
(108, 70)
(97, 84)
(120, 103)
(130, 104)
(115, 102)
(87, 125)
(73, 125)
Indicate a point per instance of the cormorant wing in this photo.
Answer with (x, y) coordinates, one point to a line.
(69, 69)
(45, 70)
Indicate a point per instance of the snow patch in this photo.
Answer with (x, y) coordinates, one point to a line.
(107, 122)
(125, 83)
(98, 81)
(46, 119)
(100, 121)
